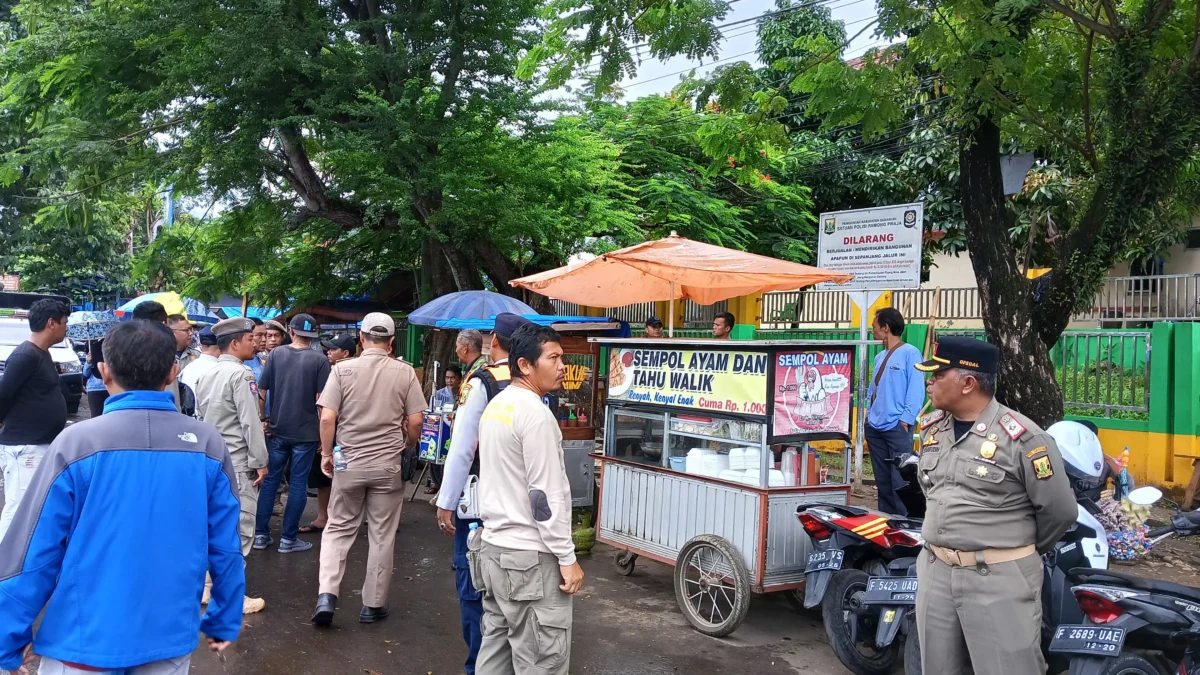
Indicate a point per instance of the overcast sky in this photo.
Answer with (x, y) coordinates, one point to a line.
(657, 77)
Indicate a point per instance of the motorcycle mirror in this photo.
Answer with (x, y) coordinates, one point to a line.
(1145, 496)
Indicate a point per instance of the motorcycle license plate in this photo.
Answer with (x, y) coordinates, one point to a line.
(1089, 640)
(891, 591)
(825, 560)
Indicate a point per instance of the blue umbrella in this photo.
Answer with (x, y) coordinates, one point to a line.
(467, 305)
(89, 325)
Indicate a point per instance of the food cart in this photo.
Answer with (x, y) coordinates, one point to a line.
(708, 450)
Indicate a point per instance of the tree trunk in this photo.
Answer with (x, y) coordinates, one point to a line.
(1026, 381)
(439, 344)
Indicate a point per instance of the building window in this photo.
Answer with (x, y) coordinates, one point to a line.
(1149, 267)
(1193, 238)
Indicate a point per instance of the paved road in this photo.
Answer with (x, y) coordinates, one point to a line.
(623, 625)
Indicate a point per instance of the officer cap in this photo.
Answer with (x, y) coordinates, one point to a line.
(654, 321)
(239, 324)
(275, 325)
(959, 352)
(343, 341)
(207, 337)
(507, 324)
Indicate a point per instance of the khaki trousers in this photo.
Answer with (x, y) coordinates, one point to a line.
(526, 618)
(248, 499)
(377, 494)
(989, 622)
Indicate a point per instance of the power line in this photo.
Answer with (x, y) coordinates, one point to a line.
(764, 15)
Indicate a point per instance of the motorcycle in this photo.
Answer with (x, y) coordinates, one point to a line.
(862, 574)
(1132, 625)
(862, 569)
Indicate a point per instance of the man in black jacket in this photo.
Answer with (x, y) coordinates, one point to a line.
(33, 409)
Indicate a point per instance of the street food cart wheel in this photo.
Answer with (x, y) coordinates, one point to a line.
(624, 562)
(712, 585)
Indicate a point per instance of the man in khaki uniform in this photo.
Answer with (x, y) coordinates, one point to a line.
(227, 398)
(997, 497)
(374, 406)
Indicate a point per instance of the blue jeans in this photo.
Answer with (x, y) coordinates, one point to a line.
(281, 451)
(470, 601)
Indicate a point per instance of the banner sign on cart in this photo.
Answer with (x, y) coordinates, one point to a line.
(880, 247)
(728, 381)
(435, 439)
(813, 390)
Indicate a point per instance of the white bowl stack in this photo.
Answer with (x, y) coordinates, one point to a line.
(750, 458)
(732, 476)
(695, 462)
(737, 459)
(712, 465)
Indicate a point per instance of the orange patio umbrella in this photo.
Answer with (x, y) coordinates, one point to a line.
(671, 269)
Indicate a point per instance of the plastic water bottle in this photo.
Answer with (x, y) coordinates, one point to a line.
(339, 459)
(472, 530)
(1123, 478)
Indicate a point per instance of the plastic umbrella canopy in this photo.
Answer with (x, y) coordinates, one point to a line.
(89, 325)
(673, 268)
(194, 310)
(263, 313)
(467, 305)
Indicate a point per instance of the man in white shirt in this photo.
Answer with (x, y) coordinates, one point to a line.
(525, 566)
(209, 353)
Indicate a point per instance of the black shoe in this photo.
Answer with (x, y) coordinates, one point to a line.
(373, 614)
(326, 603)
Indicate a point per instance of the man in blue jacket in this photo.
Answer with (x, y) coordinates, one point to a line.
(124, 516)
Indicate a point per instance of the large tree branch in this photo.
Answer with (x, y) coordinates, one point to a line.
(1007, 105)
(1087, 98)
(455, 64)
(1162, 9)
(377, 24)
(1111, 12)
(1196, 39)
(1113, 32)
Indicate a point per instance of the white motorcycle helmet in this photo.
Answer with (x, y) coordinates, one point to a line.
(1082, 455)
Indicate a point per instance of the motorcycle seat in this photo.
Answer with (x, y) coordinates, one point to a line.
(1085, 575)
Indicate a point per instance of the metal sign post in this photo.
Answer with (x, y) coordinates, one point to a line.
(866, 300)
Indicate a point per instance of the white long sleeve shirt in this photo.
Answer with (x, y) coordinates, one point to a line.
(464, 439)
(525, 498)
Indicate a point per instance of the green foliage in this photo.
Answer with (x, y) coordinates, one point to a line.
(1100, 388)
(579, 30)
(708, 175)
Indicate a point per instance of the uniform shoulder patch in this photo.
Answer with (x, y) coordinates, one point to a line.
(1011, 426)
(1036, 451)
(932, 417)
(462, 395)
(253, 385)
(1041, 467)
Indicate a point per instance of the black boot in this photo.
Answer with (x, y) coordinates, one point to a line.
(372, 614)
(326, 603)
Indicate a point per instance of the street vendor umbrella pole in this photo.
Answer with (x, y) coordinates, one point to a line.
(671, 316)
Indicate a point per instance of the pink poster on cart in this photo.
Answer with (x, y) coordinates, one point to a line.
(813, 391)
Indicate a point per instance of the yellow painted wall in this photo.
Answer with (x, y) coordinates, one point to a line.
(885, 300)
